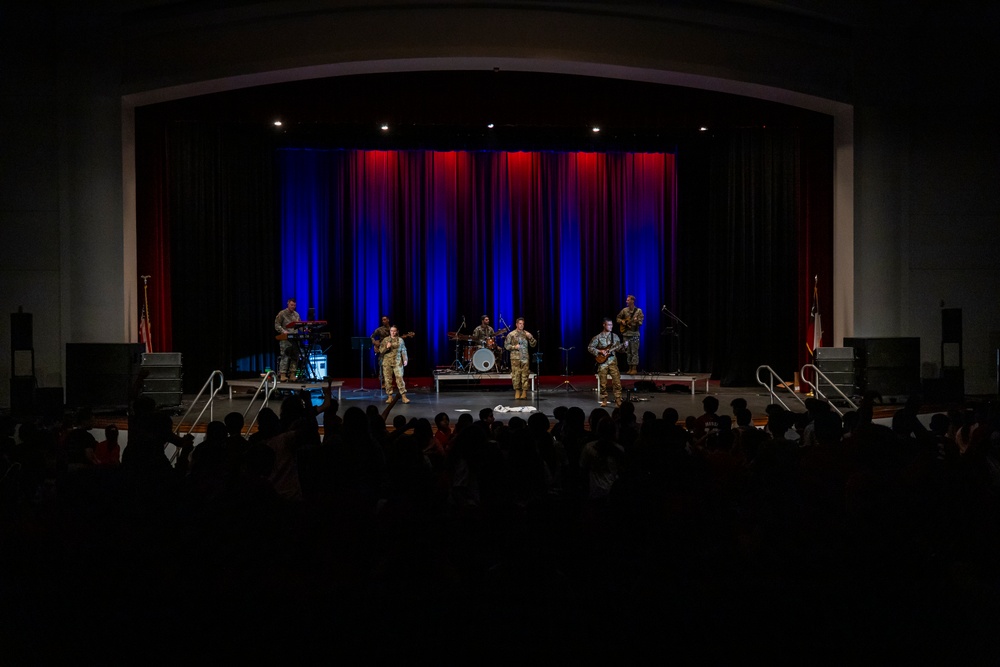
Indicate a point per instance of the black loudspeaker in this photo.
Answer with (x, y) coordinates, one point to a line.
(890, 366)
(101, 375)
(164, 378)
(840, 367)
(951, 325)
(49, 402)
(22, 396)
(21, 336)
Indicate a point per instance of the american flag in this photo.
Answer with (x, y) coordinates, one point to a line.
(814, 331)
(145, 336)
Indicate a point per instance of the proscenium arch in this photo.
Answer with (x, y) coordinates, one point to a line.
(843, 139)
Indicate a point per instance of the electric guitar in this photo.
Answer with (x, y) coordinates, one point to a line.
(378, 347)
(604, 353)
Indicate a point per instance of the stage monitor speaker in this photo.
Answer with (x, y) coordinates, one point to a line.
(21, 336)
(101, 375)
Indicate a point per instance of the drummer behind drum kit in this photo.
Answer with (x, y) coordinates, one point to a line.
(477, 354)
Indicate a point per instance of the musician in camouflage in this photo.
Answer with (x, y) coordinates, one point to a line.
(393, 351)
(288, 350)
(608, 369)
(382, 331)
(630, 318)
(518, 343)
(484, 332)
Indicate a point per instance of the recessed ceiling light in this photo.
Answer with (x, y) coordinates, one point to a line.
(489, 125)
(277, 123)
(595, 129)
(702, 129)
(385, 126)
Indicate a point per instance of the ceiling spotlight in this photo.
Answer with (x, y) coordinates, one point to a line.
(489, 125)
(385, 126)
(277, 123)
(702, 129)
(595, 129)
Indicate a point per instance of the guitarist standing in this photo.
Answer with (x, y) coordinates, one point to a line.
(382, 331)
(630, 319)
(602, 346)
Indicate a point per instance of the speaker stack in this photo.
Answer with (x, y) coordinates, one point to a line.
(101, 375)
(890, 366)
(22, 357)
(164, 378)
(839, 365)
(952, 364)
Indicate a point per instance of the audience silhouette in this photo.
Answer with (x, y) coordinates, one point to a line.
(591, 536)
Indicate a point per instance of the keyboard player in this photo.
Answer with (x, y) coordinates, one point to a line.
(288, 349)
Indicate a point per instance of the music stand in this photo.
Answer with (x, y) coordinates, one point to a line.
(566, 383)
(361, 343)
(674, 329)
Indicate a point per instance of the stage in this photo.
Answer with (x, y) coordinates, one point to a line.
(470, 392)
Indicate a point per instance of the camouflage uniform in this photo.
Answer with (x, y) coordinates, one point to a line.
(376, 337)
(631, 333)
(288, 350)
(393, 357)
(483, 333)
(520, 359)
(609, 369)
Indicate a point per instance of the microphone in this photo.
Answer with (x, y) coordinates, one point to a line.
(664, 308)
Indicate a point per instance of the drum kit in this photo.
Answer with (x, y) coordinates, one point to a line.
(477, 354)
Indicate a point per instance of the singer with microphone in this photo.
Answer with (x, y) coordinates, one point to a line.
(630, 319)
(518, 343)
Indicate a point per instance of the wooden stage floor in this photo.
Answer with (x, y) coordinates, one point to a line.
(492, 390)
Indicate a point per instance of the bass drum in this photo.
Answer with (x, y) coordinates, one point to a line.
(483, 360)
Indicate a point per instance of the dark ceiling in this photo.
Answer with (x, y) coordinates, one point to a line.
(452, 110)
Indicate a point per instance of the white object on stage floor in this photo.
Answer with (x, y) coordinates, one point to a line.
(517, 408)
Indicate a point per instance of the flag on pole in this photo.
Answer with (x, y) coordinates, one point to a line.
(814, 332)
(145, 336)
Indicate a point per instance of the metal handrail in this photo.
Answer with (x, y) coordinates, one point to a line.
(209, 384)
(770, 387)
(267, 385)
(818, 392)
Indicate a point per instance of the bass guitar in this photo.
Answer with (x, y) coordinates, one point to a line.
(604, 353)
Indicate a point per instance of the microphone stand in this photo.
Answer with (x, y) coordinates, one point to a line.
(538, 365)
(457, 364)
(674, 331)
(504, 365)
(566, 383)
